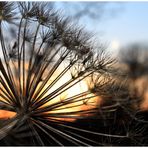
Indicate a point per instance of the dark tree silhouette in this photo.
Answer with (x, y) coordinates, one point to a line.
(134, 59)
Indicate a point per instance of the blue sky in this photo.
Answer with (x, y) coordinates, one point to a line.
(130, 24)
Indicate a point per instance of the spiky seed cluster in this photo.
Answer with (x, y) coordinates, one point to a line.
(44, 58)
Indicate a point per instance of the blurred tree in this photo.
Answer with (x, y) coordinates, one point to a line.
(94, 11)
(134, 59)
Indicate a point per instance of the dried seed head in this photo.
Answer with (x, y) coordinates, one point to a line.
(52, 59)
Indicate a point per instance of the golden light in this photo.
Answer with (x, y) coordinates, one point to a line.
(90, 102)
(4, 114)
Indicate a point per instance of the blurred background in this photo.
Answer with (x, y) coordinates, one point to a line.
(122, 27)
(117, 24)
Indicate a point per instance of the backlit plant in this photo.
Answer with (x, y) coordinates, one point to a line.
(52, 79)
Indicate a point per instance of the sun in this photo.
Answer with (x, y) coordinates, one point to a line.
(115, 44)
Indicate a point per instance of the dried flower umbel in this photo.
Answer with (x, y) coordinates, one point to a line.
(39, 48)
